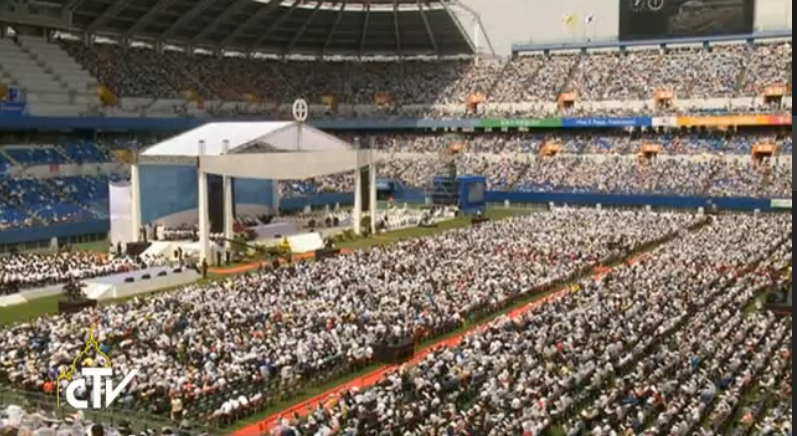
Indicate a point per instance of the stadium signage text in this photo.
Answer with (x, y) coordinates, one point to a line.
(13, 109)
(607, 122)
(498, 123)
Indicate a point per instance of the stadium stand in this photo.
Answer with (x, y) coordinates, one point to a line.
(235, 84)
(652, 321)
(54, 84)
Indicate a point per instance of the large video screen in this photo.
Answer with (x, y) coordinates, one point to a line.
(476, 192)
(654, 19)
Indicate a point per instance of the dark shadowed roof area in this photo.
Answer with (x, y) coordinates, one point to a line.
(289, 26)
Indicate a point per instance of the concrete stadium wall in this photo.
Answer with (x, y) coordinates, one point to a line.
(664, 201)
(541, 22)
(773, 15)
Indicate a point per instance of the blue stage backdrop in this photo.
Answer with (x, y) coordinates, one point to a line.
(168, 190)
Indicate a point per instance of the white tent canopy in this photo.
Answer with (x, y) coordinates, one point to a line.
(258, 150)
(274, 135)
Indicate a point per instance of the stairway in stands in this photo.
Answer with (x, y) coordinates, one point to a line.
(53, 83)
(520, 175)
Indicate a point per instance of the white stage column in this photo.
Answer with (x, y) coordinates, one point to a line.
(372, 194)
(135, 207)
(358, 199)
(229, 219)
(202, 209)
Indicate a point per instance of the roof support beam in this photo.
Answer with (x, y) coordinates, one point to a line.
(466, 34)
(365, 27)
(185, 18)
(241, 28)
(73, 5)
(147, 18)
(109, 13)
(223, 16)
(274, 26)
(334, 28)
(302, 29)
(396, 27)
(428, 28)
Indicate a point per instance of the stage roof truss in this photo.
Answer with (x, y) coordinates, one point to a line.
(260, 150)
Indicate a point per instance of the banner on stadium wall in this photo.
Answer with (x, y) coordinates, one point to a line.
(664, 122)
(781, 203)
(729, 120)
(13, 109)
(500, 123)
(607, 122)
(780, 120)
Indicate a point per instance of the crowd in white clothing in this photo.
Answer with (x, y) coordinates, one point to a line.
(651, 348)
(717, 72)
(207, 342)
(22, 271)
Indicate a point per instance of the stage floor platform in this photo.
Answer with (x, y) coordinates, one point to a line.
(117, 279)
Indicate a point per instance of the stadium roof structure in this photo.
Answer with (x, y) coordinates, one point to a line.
(311, 27)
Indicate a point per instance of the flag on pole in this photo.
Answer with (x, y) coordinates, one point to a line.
(570, 21)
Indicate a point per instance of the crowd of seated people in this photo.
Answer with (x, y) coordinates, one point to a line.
(31, 202)
(84, 151)
(605, 358)
(715, 177)
(591, 142)
(25, 271)
(715, 72)
(343, 182)
(20, 418)
(211, 343)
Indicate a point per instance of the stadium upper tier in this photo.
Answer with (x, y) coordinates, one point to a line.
(723, 71)
(60, 79)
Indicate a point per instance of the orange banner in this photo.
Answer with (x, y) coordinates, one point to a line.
(383, 99)
(764, 149)
(775, 91)
(651, 148)
(724, 121)
(567, 97)
(665, 95)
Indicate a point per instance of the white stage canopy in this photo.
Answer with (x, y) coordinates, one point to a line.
(276, 136)
(262, 150)
(257, 150)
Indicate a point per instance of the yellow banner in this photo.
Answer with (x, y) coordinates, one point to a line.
(123, 156)
(107, 97)
(724, 121)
